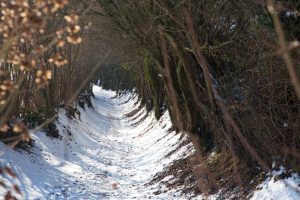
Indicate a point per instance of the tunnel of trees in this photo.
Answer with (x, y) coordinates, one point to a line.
(227, 72)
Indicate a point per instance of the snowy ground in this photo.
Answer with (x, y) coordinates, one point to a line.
(284, 189)
(107, 156)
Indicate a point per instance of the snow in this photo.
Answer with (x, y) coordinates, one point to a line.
(111, 156)
(107, 155)
(285, 189)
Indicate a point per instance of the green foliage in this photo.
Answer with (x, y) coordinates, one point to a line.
(35, 118)
(126, 66)
(153, 81)
(266, 20)
(149, 71)
(289, 20)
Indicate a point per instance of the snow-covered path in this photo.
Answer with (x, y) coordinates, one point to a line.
(104, 155)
